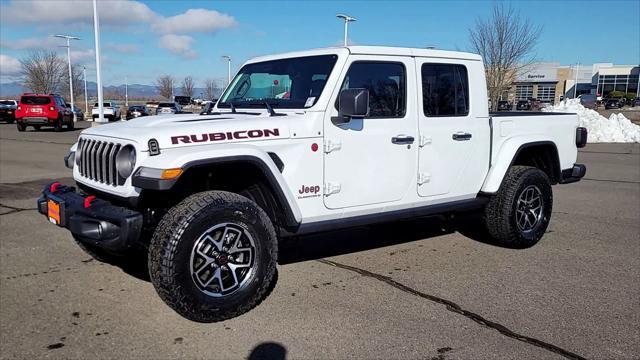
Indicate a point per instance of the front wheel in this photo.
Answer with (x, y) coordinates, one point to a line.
(517, 216)
(213, 256)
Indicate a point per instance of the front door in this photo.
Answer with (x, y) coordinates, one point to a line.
(373, 159)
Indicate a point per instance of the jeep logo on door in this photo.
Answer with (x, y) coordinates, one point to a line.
(220, 136)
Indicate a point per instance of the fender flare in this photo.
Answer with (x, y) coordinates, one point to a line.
(270, 171)
(508, 150)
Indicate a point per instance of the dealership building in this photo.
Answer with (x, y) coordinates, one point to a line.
(550, 82)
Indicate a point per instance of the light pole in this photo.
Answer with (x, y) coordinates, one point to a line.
(575, 86)
(228, 58)
(96, 34)
(86, 101)
(347, 19)
(69, 38)
(126, 92)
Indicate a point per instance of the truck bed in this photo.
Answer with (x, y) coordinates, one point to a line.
(525, 113)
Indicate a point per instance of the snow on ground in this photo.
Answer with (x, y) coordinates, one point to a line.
(617, 128)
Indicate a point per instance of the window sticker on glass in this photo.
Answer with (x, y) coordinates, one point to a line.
(310, 101)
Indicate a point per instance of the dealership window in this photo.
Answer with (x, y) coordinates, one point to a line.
(524, 92)
(445, 90)
(546, 93)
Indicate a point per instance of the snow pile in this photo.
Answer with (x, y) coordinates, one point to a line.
(617, 128)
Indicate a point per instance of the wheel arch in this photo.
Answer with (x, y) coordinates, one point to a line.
(236, 173)
(541, 154)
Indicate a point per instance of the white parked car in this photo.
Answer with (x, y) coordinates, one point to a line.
(360, 135)
(169, 108)
(111, 111)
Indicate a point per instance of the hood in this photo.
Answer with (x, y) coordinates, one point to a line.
(193, 129)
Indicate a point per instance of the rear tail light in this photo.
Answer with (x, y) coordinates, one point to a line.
(51, 108)
(19, 107)
(581, 137)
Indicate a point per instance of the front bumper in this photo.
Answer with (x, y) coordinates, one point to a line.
(93, 220)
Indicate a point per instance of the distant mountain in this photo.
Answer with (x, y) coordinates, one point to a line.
(14, 89)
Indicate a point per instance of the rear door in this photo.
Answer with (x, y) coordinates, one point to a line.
(363, 163)
(454, 144)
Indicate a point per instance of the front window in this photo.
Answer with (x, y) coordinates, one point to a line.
(284, 83)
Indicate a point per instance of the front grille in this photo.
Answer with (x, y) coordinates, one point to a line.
(98, 161)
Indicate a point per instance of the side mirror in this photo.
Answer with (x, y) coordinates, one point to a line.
(353, 103)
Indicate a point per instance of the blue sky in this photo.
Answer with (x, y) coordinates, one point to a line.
(143, 39)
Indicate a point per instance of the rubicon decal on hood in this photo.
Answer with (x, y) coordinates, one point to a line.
(220, 136)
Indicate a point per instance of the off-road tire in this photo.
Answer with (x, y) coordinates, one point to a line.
(172, 244)
(500, 212)
(21, 127)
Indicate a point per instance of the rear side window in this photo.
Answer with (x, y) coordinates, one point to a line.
(386, 83)
(35, 100)
(445, 90)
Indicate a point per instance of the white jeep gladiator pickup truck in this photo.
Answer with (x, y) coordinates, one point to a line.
(306, 142)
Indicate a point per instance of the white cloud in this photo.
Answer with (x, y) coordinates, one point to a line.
(114, 12)
(48, 42)
(9, 66)
(178, 44)
(194, 20)
(54, 12)
(82, 55)
(123, 48)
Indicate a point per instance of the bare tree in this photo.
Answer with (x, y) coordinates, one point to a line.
(187, 86)
(42, 71)
(78, 82)
(164, 84)
(506, 42)
(210, 87)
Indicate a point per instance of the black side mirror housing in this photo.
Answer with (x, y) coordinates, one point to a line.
(353, 103)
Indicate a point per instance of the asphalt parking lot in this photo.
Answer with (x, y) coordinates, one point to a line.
(415, 290)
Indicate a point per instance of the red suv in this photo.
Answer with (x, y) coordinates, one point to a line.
(39, 110)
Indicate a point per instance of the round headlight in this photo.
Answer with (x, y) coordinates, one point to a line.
(126, 161)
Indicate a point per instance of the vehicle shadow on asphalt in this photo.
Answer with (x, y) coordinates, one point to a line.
(340, 242)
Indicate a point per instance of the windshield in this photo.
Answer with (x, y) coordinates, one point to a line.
(103, 104)
(285, 83)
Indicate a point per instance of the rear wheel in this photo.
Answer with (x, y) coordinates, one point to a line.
(36, 127)
(58, 126)
(213, 256)
(21, 127)
(71, 125)
(517, 216)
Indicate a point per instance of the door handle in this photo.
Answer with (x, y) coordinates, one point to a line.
(460, 136)
(402, 139)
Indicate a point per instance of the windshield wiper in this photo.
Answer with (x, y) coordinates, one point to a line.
(270, 109)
